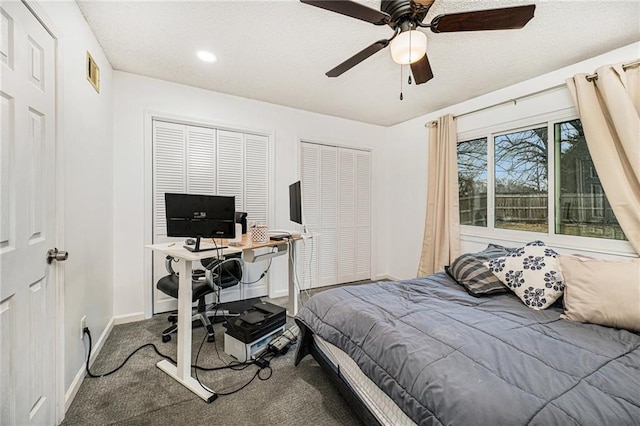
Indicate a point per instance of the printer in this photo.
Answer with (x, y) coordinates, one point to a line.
(248, 335)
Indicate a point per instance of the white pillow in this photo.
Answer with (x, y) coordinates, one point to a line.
(605, 292)
(532, 273)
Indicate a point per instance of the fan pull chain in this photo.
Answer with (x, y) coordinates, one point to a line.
(401, 97)
(409, 79)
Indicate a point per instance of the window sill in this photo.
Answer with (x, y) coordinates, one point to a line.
(564, 242)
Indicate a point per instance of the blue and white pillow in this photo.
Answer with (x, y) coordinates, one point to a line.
(532, 272)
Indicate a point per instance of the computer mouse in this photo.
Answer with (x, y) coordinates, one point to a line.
(190, 242)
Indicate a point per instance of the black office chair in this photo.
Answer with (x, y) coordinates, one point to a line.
(207, 281)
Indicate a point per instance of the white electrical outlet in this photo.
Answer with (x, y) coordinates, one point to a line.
(83, 324)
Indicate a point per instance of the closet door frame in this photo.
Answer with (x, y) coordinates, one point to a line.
(149, 117)
(372, 222)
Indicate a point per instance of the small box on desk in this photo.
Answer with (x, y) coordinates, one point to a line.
(248, 335)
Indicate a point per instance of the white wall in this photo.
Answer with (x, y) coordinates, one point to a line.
(406, 155)
(87, 156)
(135, 95)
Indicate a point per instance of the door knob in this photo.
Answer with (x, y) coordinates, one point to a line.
(55, 254)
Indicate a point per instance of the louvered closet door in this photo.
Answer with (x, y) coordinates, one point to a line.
(230, 180)
(231, 166)
(169, 171)
(336, 199)
(362, 219)
(346, 216)
(326, 242)
(307, 254)
(201, 160)
(255, 178)
(256, 187)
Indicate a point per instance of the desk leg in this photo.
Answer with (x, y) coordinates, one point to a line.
(182, 371)
(292, 305)
(184, 320)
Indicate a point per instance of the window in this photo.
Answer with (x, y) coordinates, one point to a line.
(521, 180)
(472, 182)
(582, 206)
(516, 176)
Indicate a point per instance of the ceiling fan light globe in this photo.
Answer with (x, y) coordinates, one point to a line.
(408, 47)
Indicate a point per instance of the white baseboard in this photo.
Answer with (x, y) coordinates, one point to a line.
(79, 378)
(278, 293)
(124, 319)
(387, 277)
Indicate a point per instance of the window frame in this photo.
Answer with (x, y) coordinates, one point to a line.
(479, 234)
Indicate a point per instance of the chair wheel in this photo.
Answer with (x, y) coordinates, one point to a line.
(166, 338)
(211, 338)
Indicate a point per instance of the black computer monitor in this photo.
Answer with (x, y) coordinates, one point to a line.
(295, 203)
(200, 216)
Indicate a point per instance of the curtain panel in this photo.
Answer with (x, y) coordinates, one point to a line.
(609, 108)
(441, 242)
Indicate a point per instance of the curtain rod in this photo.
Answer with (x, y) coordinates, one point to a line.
(508, 101)
(515, 100)
(625, 67)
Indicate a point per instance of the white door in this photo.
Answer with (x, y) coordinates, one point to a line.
(336, 200)
(27, 225)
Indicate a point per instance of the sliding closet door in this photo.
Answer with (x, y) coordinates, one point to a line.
(328, 230)
(335, 204)
(346, 216)
(307, 264)
(230, 166)
(169, 171)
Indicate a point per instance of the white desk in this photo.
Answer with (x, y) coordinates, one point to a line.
(182, 371)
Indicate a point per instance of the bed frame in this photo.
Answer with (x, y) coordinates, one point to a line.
(308, 346)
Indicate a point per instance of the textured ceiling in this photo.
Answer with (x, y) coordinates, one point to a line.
(278, 51)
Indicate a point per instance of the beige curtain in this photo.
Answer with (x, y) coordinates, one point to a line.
(609, 108)
(441, 243)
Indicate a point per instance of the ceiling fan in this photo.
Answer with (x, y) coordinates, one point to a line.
(408, 45)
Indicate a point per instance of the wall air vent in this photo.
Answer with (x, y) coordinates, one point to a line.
(93, 72)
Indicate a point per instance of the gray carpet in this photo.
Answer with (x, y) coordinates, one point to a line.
(142, 394)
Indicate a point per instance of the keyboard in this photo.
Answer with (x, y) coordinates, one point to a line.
(205, 247)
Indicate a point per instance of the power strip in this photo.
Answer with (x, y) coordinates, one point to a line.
(280, 345)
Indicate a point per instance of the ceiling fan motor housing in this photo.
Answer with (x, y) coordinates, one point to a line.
(401, 13)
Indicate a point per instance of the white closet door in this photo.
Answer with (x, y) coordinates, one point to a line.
(256, 174)
(363, 215)
(256, 187)
(201, 160)
(346, 216)
(169, 170)
(169, 146)
(328, 230)
(307, 255)
(230, 176)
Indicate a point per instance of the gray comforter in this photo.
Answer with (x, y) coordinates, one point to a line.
(446, 357)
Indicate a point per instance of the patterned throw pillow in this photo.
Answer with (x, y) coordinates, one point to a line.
(470, 272)
(532, 272)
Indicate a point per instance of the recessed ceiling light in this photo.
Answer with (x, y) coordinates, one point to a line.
(206, 56)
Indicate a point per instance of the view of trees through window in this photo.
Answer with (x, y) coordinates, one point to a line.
(472, 182)
(521, 183)
(582, 207)
(521, 179)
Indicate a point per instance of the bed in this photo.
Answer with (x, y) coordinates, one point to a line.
(427, 352)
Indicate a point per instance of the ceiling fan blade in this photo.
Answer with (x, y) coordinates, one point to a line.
(507, 18)
(421, 70)
(353, 9)
(357, 58)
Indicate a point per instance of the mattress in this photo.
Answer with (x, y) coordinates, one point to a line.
(380, 405)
